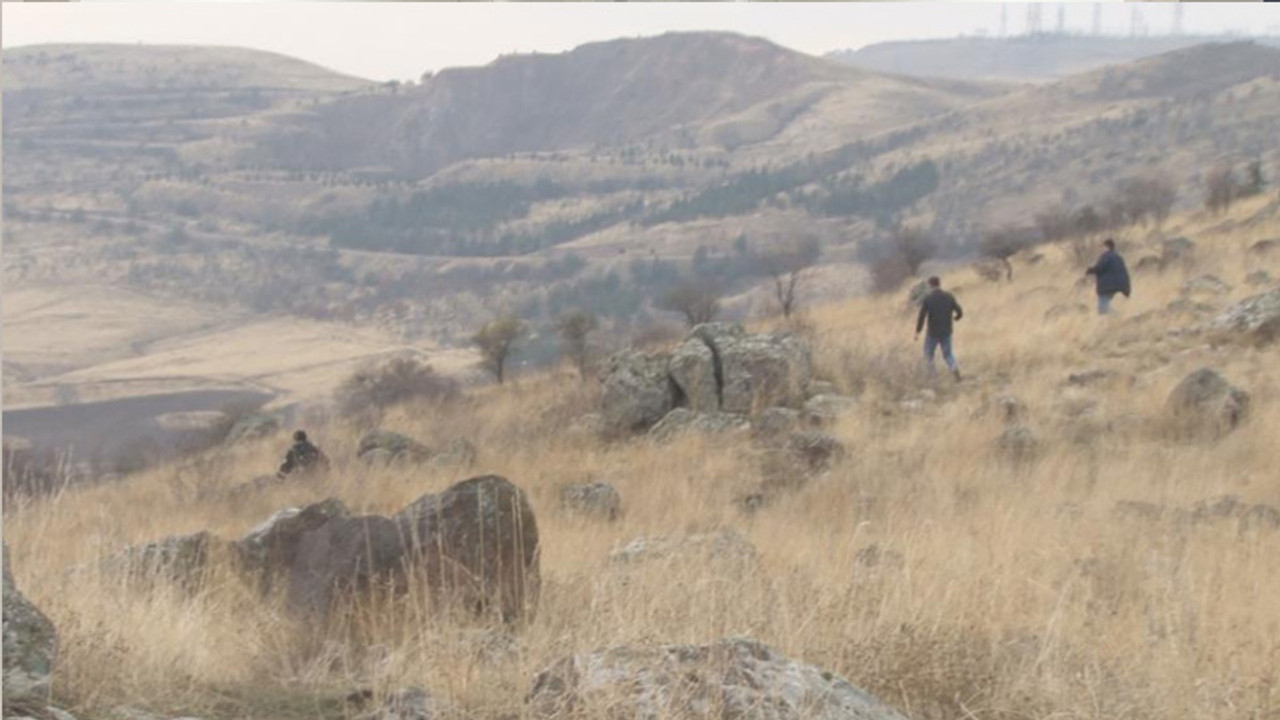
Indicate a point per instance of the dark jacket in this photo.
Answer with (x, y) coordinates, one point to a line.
(938, 307)
(303, 456)
(1113, 276)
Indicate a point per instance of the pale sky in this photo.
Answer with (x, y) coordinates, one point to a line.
(384, 41)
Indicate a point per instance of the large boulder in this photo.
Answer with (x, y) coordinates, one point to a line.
(387, 446)
(1205, 404)
(1256, 318)
(268, 551)
(734, 679)
(695, 371)
(475, 544)
(637, 392)
(30, 649)
(760, 371)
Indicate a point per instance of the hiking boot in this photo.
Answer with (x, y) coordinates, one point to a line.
(956, 372)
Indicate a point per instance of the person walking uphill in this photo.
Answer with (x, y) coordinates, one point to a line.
(938, 309)
(303, 457)
(1112, 276)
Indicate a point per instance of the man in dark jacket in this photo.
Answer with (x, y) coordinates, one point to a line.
(938, 309)
(303, 457)
(1112, 276)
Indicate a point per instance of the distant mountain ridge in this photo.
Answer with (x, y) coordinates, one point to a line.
(1039, 58)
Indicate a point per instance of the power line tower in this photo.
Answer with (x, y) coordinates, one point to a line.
(1033, 19)
(1177, 18)
(1097, 19)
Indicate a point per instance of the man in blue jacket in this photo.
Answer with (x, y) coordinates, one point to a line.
(1112, 276)
(938, 309)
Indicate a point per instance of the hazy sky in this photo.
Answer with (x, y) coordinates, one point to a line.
(401, 40)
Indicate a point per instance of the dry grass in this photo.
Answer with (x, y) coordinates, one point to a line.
(1003, 590)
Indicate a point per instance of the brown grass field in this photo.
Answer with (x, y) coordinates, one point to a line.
(1020, 592)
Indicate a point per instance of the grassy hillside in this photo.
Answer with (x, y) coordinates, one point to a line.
(927, 567)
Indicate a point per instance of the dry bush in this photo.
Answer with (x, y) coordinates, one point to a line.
(376, 388)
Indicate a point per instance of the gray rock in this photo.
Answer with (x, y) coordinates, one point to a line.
(682, 420)
(593, 500)
(413, 704)
(382, 446)
(722, 546)
(694, 370)
(1204, 404)
(1205, 285)
(473, 546)
(827, 409)
(733, 679)
(1259, 278)
(30, 650)
(1264, 247)
(181, 560)
(1011, 409)
(269, 550)
(1256, 318)
(252, 427)
(637, 392)
(1018, 443)
(761, 371)
(1089, 377)
(775, 424)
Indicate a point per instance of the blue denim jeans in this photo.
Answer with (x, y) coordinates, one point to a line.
(1104, 303)
(931, 344)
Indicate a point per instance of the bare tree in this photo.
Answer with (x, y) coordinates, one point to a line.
(788, 266)
(912, 246)
(1002, 243)
(1221, 189)
(699, 302)
(496, 340)
(374, 388)
(573, 328)
(1146, 197)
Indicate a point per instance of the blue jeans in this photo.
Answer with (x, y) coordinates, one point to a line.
(1104, 303)
(931, 344)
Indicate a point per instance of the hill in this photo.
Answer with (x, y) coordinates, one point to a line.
(1036, 540)
(1038, 58)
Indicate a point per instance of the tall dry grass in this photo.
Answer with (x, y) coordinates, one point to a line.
(996, 588)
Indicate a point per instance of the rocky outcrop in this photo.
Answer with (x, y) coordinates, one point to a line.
(683, 420)
(637, 392)
(595, 500)
(1256, 318)
(474, 545)
(385, 446)
(719, 368)
(30, 649)
(734, 679)
(1204, 404)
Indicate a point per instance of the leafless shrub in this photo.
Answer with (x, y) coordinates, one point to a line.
(375, 388)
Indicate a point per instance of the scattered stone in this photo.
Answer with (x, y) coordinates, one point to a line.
(827, 409)
(459, 453)
(722, 546)
(1089, 377)
(252, 427)
(683, 420)
(637, 392)
(385, 446)
(1205, 285)
(595, 500)
(873, 556)
(733, 679)
(1256, 318)
(1205, 404)
(1011, 408)
(1259, 277)
(413, 704)
(1018, 443)
(30, 650)
(1264, 247)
